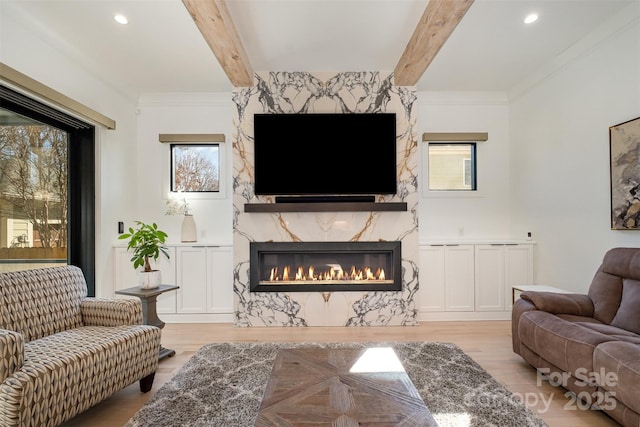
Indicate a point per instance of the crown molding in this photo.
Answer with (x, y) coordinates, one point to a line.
(462, 98)
(184, 99)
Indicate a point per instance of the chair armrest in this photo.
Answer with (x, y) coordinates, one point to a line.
(111, 312)
(12, 357)
(557, 303)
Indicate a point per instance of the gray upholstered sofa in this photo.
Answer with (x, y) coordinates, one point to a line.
(589, 344)
(62, 352)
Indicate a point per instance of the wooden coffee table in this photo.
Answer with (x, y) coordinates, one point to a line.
(341, 387)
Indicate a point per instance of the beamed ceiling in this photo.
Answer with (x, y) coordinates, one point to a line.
(206, 46)
(438, 21)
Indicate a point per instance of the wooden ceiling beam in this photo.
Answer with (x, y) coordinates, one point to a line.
(437, 23)
(214, 22)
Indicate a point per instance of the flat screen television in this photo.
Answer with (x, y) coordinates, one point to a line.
(325, 154)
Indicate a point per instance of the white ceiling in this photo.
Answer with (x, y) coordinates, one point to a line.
(162, 50)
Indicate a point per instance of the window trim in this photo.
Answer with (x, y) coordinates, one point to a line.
(195, 138)
(15, 78)
(455, 136)
(172, 156)
(449, 137)
(472, 149)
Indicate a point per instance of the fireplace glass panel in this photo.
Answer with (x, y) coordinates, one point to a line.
(325, 266)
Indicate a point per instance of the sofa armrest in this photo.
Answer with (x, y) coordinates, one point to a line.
(520, 306)
(557, 303)
(111, 312)
(12, 348)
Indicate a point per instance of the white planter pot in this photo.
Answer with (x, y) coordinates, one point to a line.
(189, 233)
(149, 280)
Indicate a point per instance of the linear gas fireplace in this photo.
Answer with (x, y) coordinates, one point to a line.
(325, 266)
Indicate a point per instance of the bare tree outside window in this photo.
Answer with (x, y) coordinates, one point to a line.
(33, 186)
(195, 167)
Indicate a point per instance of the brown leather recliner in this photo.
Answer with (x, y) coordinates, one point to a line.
(589, 344)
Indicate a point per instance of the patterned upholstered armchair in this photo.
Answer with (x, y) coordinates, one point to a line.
(62, 352)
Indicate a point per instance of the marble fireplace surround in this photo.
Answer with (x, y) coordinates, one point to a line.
(346, 92)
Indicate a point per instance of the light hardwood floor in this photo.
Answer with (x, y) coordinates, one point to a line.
(488, 343)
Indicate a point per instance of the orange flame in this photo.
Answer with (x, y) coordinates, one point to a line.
(333, 272)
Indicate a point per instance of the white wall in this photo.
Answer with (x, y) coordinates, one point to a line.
(184, 114)
(29, 50)
(483, 214)
(559, 139)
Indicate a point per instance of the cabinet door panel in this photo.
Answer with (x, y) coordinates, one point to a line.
(518, 269)
(459, 292)
(191, 273)
(432, 278)
(220, 280)
(489, 277)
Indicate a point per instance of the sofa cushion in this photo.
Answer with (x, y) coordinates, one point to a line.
(42, 301)
(579, 319)
(618, 364)
(566, 345)
(607, 285)
(628, 315)
(622, 262)
(613, 331)
(605, 293)
(65, 373)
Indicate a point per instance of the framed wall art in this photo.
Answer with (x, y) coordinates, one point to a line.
(624, 153)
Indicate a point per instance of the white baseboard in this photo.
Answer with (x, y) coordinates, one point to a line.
(424, 316)
(197, 318)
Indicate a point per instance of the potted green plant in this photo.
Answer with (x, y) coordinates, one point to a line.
(146, 241)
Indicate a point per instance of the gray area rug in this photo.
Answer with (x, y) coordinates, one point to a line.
(222, 385)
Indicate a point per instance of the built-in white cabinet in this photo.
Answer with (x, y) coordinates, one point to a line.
(489, 277)
(219, 280)
(191, 276)
(446, 278)
(497, 268)
(474, 278)
(458, 261)
(204, 276)
(203, 273)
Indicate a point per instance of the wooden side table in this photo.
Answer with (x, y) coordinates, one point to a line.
(148, 297)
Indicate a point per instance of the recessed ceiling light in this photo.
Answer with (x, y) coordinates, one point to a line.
(120, 19)
(532, 17)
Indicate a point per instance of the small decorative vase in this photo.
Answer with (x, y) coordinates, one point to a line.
(189, 233)
(149, 279)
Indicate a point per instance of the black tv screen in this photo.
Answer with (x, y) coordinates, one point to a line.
(325, 154)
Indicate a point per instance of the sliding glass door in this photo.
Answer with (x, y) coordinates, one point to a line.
(46, 187)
